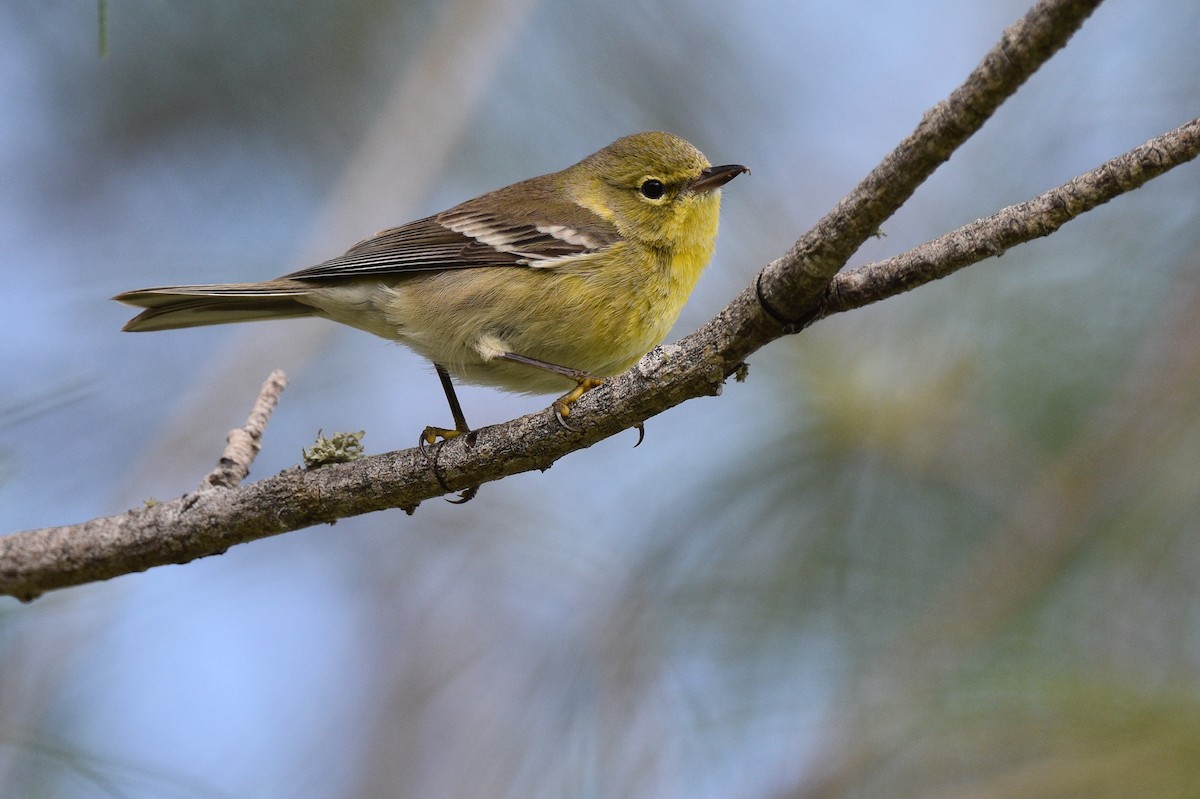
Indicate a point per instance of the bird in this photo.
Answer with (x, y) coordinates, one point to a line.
(549, 285)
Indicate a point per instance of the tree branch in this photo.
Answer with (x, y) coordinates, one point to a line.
(794, 287)
(790, 287)
(1017, 224)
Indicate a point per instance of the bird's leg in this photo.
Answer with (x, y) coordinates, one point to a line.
(584, 382)
(431, 434)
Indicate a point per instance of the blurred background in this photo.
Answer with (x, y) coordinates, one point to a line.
(942, 546)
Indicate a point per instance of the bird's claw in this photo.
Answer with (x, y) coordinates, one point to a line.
(464, 496)
(429, 438)
(562, 405)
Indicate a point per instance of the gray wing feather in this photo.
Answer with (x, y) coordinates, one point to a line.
(464, 238)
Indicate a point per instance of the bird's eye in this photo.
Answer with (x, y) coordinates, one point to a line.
(653, 189)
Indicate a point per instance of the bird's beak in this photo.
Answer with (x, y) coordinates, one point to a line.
(717, 176)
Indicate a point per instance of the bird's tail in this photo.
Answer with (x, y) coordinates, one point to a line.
(171, 307)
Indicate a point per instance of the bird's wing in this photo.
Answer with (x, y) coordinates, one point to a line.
(469, 236)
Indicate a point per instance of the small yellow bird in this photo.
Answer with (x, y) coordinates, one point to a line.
(565, 278)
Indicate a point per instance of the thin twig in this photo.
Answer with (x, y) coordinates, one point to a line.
(993, 235)
(243, 443)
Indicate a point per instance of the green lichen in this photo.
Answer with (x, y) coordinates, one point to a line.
(338, 448)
